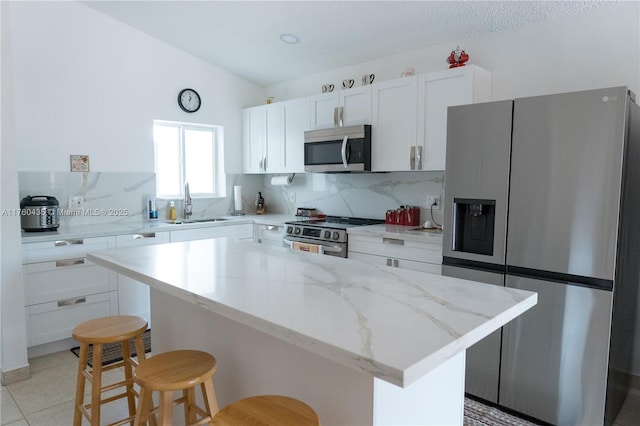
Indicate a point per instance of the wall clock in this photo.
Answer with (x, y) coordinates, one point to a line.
(189, 100)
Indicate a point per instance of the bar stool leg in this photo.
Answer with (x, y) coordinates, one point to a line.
(96, 384)
(144, 406)
(166, 408)
(128, 375)
(82, 364)
(189, 402)
(209, 395)
(139, 344)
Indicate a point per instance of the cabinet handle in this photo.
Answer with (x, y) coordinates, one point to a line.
(394, 241)
(72, 301)
(388, 262)
(70, 262)
(272, 227)
(60, 243)
(341, 117)
(395, 263)
(335, 117)
(412, 158)
(140, 236)
(264, 164)
(419, 158)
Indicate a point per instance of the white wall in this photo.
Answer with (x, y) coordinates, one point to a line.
(13, 339)
(77, 82)
(598, 48)
(87, 84)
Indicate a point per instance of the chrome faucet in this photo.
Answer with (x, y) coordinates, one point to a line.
(188, 207)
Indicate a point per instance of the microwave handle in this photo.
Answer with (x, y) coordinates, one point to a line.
(344, 151)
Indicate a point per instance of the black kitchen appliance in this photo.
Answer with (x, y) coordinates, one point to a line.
(39, 213)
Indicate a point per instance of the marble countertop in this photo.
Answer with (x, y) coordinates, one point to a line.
(107, 229)
(392, 323)
(412, 233)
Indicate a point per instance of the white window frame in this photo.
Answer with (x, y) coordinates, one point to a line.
(219, 189)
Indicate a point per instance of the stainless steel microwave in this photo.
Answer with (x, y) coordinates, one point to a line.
(339, 149)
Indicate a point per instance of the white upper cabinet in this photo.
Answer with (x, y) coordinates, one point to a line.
(296, 122)
(408, 118)
(438, 91)
(394, 119)
(274, 145)
(253, 139)
(273, 137)
(346, 107)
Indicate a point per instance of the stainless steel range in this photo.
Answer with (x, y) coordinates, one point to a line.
(328, 234)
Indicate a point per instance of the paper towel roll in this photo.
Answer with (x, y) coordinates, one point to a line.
(237, 198)
(281, 180)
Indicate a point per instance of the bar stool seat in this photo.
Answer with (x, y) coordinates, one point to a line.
(267, 410)
(174, 371)
(98, 332)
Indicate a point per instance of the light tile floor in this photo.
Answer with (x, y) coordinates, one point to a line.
(46, 399)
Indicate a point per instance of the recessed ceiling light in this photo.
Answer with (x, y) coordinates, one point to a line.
(289, 38)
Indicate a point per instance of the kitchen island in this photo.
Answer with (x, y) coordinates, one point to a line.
(361, 344)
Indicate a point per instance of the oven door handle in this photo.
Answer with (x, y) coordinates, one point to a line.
(344, 151)
(332, 249)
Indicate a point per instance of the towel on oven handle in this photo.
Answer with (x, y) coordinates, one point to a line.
(310, 248)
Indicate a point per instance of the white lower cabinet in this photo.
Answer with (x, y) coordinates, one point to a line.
(133, 296)
(49, 322)
(398, 253)
(63, 289)
(269, 234)
(238, 231)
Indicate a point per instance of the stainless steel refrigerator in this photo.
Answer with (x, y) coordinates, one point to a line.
(543, 194)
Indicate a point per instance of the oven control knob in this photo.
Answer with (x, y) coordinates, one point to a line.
(327, 234)
(336, 235)
(289, 229)
(297, 231)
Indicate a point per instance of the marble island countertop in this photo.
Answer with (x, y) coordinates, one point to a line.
(395, 324)
(120, 228)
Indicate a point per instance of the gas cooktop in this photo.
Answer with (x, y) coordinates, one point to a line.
(339, 222)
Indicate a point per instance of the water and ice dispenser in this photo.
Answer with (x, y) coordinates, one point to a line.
(473, 225)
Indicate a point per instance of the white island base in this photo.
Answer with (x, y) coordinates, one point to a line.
(251, 362)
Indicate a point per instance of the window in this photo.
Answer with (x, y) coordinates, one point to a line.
(191, 153)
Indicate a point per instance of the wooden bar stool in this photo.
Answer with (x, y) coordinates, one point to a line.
(98, 332)
(267, 410)
(173, 371)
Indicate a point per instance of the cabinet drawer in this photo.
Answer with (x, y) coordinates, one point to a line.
(53, 321)
(237, 231)
(63, 279)
(142, 239)
(430, 252)
(397, 263)
(64, 248)
(269, 234)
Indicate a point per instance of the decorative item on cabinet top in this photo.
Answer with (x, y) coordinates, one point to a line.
(457, 58)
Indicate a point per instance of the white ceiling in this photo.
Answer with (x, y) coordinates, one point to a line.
(243, 37)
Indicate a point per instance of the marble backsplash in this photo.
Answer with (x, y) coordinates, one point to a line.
(113, 197)
(367, 195)
(109, 195)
